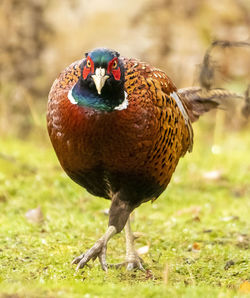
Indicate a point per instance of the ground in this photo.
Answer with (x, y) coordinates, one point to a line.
(195, 237)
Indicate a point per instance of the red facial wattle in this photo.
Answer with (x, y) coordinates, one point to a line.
(87, 69)
(115, 71)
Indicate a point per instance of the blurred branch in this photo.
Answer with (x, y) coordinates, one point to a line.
(206, 77)
(246, 108)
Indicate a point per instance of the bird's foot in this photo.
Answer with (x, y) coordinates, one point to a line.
(97, 250)
(132, 262)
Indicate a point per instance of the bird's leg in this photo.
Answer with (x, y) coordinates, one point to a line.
(118, 215)
(132, 259)
(97, 250)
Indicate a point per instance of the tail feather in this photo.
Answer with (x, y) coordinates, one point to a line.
(198, 101)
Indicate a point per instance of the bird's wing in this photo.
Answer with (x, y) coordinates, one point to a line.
(143, 77)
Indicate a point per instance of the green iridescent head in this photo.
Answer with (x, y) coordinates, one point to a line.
(101, 84)
(102, 65)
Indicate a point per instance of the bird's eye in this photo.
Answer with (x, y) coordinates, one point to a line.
(88, 63)
(114, 64)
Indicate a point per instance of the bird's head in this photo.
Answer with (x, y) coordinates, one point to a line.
(101, 83)
(102, 70)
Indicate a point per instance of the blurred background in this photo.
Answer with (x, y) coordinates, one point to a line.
(45, 219)
(39, 38)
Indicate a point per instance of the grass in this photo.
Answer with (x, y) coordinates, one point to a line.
(193, 230)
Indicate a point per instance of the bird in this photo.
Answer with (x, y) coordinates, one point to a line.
(119, 127)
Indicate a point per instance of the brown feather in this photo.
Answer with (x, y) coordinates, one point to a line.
(200, 101)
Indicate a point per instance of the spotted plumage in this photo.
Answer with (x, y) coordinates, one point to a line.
(119, 128)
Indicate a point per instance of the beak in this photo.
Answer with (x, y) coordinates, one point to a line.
(99, 79)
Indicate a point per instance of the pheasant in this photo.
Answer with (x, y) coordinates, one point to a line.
(119, 127)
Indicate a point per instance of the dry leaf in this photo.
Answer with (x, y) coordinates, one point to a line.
(176, 179)
(105, 211)
(245, 287)
(216, 149)
(240, 238)
(35, 215)
(212, 175)
(243, 241)
(143, 250)
(196, 218)
(196, 246)
(195, 210)
(229, 218)
(3, 198)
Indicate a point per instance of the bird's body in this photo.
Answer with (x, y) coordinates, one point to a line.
(119, 128)
(136, 147)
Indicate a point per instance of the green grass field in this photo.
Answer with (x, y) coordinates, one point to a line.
(198, 231)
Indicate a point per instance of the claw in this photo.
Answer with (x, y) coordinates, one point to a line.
(102, 258)
(135, 264)
(97, 250)
(77, 259)
(117, 266)
(130, 264)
